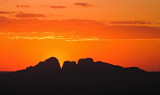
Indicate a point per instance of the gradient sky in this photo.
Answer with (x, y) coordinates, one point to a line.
(121, 32)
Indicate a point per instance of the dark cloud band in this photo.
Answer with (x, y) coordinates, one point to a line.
(130, 22)
(58, 7)
(27, 15)
(83, 4)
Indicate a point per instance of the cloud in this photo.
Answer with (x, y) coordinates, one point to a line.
(33, 37)
(29, 15)
(58, 7)
(130, 22)
(23, 6)
(82, 39)
(81, 28)
(6, 12)
(53, 37)
(83, 4)
(43, 36)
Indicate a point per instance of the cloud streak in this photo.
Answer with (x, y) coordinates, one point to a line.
(130, 22)
(80, 27)
(83, 4)
(23, 6)
(43, 36)
(29, 15)
(6, 12)
(58, 7)
(67, 39)
(52, 37)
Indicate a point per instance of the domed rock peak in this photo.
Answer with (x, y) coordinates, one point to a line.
(49, 65)
(69, 66)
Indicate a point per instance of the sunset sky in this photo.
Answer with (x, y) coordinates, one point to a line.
(120, 32)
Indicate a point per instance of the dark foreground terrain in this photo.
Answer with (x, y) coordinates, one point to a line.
(84, 78)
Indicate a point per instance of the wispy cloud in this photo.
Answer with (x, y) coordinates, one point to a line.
(83, 4)
(34, 37)
(130, 22)
(7, 12)
(29, 15)
(83, 28)
(23, 6)
(52, 38)
(68, 39)
(58, 7)
(82, 39)
(43, 36)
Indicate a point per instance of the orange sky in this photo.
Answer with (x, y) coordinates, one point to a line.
(121, 32)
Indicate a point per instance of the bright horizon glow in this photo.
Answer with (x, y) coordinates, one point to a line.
(128, 53)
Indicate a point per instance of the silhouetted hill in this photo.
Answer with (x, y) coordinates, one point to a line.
(49, 71)
(88, 68)
(85, 77)
(84, 68)
(50, 65)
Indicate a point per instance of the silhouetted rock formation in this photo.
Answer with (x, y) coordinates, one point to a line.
(50, 65)
(87, 68)
(82, 78)
(86, 77)
(85, 62)
(69, 67)
(84, 67)
(49, 71)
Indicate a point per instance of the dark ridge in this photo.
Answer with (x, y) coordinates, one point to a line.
(50, 65)
(84, 67)
(84, 78)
